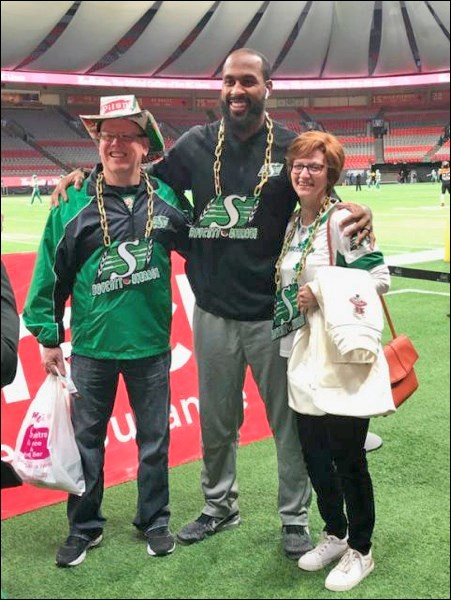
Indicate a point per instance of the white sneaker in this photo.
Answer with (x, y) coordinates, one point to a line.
(330, 548)
(352, 568)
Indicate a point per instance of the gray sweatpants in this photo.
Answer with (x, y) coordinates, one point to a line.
(224, 348)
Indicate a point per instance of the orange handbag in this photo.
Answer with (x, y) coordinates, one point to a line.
(401, 357)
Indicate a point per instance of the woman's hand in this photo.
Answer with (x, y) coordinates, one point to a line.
(75, 177)
(306, 299)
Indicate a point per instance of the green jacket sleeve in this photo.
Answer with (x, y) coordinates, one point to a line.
(52, 281)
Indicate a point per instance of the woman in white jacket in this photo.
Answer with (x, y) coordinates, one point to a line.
(333, 445)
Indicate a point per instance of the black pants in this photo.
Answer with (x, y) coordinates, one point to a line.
(334, 452)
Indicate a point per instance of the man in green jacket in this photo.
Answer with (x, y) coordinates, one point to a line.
(109, 249)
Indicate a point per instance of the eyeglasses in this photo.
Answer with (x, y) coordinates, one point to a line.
(122, 137)
(313, 168)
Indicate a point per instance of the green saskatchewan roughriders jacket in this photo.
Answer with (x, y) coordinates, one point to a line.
(121, 304)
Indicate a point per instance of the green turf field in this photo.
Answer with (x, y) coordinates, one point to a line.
(410, 472)
(22, 223)
(407, 218)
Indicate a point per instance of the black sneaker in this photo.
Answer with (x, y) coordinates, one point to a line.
(296, 541)
(206, 525)
(73, 551)
(160, 541)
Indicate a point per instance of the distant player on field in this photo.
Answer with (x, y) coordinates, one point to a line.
(443, 175)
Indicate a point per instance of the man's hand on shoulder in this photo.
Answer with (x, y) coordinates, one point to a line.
(359, 222)
(75, 177)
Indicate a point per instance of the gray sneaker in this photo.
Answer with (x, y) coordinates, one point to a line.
(205, 525)
(296, 541)
(160, 541)
(73, 551)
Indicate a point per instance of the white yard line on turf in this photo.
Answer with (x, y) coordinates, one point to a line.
(415, 291)
(414, 257)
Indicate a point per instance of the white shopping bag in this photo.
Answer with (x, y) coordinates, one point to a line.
(46, 454)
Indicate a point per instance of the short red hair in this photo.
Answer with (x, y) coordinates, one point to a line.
(309, 142)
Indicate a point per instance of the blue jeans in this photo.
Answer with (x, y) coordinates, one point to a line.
(147, 383)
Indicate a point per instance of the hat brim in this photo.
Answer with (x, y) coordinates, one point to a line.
(142, 118)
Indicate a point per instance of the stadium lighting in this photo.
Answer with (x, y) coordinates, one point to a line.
(29, 77)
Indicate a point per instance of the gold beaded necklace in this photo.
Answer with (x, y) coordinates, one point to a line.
(264, 176)
(295, 221)
(101, 206)
(281, 324)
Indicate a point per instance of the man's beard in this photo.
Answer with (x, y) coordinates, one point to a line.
(245, 122)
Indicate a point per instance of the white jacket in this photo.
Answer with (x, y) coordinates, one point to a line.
(352, 312)
(338, 366)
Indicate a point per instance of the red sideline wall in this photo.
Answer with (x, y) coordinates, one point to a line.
(121, 454)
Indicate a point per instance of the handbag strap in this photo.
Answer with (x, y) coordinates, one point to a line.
(387, 316)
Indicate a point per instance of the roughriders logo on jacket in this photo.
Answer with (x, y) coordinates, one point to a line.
(227, 217)
(124, 264)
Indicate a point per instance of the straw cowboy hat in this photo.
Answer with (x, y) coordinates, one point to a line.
(124, 107)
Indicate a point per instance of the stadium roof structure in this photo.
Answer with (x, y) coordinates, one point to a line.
(318, 40)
